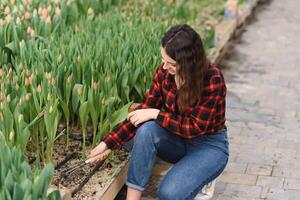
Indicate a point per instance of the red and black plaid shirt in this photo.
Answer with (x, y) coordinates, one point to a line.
(207, 116)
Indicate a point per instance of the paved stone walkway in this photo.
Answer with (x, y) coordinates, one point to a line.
(262, 71)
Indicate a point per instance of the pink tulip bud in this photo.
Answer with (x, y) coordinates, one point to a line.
(20, 102)
(7, 10)
(107, 78)
(27, 15)
(34, 12)
(49, 8)
(69, 79)
(79, 91)
(44, 12)
(8, 98)
(27, 82)
(21, 43)
(18, 21)
(39, 89)
(30, 79)
(48, 20)
(11, 135)
(8, 18)
(29, 30)
(50, 109)
(27, 97)
(1, 22)
(59, 58)
(95, 86)
(90, 11)
(170, 2)
(17, 87)
(76, 28)
(32, 33)
(57, 11)
(40, 11)
(49, 97)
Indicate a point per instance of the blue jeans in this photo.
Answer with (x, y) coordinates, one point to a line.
(196, 162)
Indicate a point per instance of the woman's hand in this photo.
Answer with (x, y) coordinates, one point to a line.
(99, 153)
(139, 116)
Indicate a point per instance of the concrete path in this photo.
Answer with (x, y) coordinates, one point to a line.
(262, 71)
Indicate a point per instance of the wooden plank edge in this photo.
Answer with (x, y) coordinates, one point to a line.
(113, 188)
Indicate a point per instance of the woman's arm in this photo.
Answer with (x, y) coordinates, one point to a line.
(202, 117)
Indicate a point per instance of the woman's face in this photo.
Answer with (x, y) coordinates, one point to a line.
(169, 63)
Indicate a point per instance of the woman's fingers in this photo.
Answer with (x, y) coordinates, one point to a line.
(130, 115)
(136, 117)
(137, 123)
(100, 148)
(134, 120)
(96, 151)
(99, 157)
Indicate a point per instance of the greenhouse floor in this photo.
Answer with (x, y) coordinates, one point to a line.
(263, 116)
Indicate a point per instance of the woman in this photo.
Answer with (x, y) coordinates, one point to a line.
(182, 120)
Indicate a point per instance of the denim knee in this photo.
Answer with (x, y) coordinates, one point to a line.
(146, 132)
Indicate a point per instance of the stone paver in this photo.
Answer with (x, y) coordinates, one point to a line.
(291, 184)
(270, 181)
(236, 191)
(259, 169)
(245, 179)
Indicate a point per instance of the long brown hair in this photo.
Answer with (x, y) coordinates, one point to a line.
(184, 45)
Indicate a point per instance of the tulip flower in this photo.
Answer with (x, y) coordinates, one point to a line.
(7, 10)
(90, 11)
(1, 22)
(27, 15)
(57, 11)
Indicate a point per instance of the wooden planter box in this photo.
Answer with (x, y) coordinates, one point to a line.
(114, 186)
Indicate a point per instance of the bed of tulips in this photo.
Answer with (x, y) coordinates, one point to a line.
(17, 181)
(80, 64)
